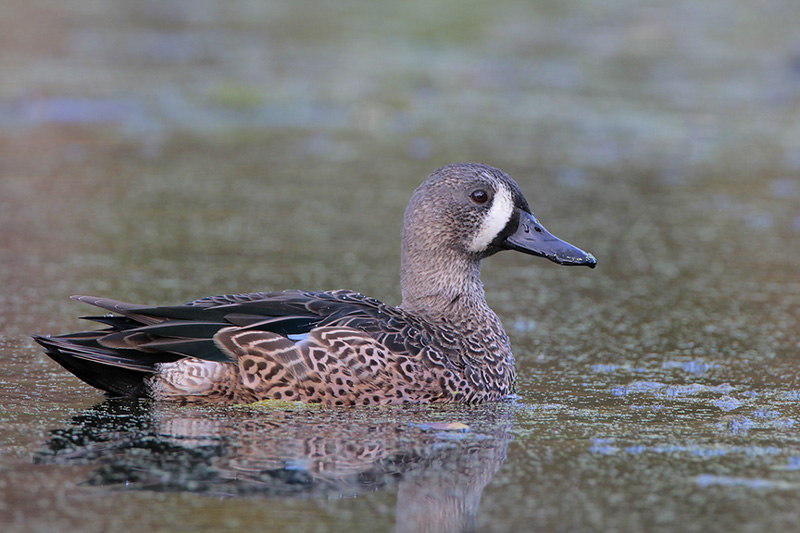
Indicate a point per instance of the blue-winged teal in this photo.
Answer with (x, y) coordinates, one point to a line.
(443, 344)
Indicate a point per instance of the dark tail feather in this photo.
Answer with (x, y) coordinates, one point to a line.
(99, 368)
(123, 308)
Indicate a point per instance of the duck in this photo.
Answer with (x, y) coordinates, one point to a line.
(442, 344)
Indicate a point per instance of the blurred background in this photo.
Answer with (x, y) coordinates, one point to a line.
(160, 151)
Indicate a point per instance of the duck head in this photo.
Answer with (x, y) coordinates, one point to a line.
(461, 214)
(478, 210)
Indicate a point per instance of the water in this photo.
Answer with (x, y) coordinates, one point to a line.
(159, 152)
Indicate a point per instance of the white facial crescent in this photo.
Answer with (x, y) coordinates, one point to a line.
(496, 219)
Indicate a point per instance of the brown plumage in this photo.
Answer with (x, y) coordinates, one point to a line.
(443, 344)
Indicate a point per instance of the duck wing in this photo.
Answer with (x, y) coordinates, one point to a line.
(224, 329)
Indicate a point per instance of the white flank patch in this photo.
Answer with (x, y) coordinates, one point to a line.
(496, 219)
(186, 377)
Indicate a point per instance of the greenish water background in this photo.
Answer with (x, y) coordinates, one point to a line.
(161, 151)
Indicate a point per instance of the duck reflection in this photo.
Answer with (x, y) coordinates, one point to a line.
(438, 458)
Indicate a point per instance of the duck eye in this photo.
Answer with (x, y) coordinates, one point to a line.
(479, 196)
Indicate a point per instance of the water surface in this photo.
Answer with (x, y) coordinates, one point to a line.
(158, 152)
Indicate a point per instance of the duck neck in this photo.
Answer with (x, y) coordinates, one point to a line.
(437, 285)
